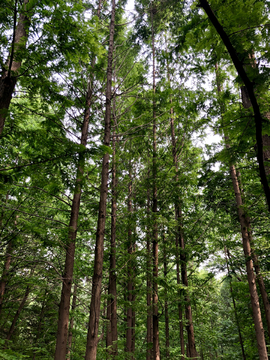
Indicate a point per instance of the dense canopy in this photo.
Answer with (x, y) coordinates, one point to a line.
(134, 180)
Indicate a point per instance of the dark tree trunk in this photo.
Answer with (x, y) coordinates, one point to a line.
(149, 335)
(130, 273)
(63, 317)
(71, 323)
(249, 266)
(167, 333)
(4, 277)
(18, 312)
(235, 311)
(111, 339)
(250, 91)
(9, 75)
(246, 237)
(154, 211)
(40, 323)
(92, 336)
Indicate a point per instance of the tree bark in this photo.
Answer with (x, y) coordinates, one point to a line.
(250, 91)
(92, 336)
(130, 270)
(71, 324)
(40, 323)
(4, 277)
(155, 210)
(247, 240)
(149, 335)
(180, 241)
(9, 75)
(244, 222)
(165, 271)
(111, 339)
(63, 317)
(235, 311)
(18, 312)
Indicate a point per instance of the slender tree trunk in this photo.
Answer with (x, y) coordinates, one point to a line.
(180, 241)
(4, 277)
(167, 333)
(149, 336)
(235, 311)
(92, 336)
(251, 94)
(111, 340)
(40, 323)
(18, 312)
(154, 211)
(247, 104)
(71, 324)
(246, 237)
(63, 317)
(9, 75)
(130, 270)
(244, 222)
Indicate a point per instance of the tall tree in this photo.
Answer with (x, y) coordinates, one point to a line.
(92, 335)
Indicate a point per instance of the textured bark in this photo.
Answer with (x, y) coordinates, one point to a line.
(167, 332)
(9, 75)
(92, 335)
(149, 335)
(155, 210)
(244, 222)
(18, 312)
(180, 241)
(40, 323)
(63, 317)
(250, 91)
(235, 311)
(4, 277)
(246, 239)
(111, 338)
(130, 274)
(71, 323)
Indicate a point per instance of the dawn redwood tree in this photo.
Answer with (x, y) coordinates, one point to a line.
(246, 238)
(156, 349)
(111, 335)
(249, 86)
(63, 319)
(92, 335)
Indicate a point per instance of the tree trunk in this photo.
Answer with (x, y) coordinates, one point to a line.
(16, 317)
(235, 311)
(92, 336)
(111, 339)
(149, 335)
(71, 324)
(251, 94)
(180, 239)
(130, 270)
(40, 323)
(154, 211)
(4, 277)
(63, 317)
(246, 237)
(244, 222)
(9, 75)
(167, 333)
